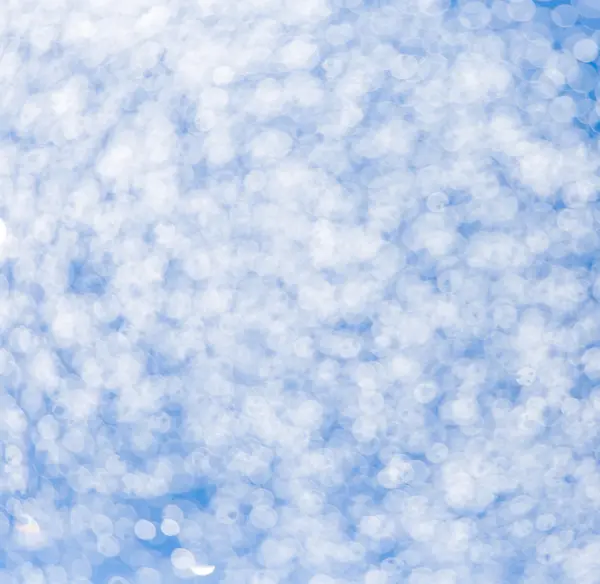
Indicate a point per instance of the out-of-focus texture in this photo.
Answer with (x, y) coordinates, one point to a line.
(299, 292)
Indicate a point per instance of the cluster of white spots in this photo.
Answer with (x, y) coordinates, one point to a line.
(335, 260)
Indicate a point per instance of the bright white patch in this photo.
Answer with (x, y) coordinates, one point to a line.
(169, 527)
(183, 559)
(28, 526)
(29, 534)
(202, 569)
(585, 50)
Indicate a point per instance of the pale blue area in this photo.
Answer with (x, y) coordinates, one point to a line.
(166, 301)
